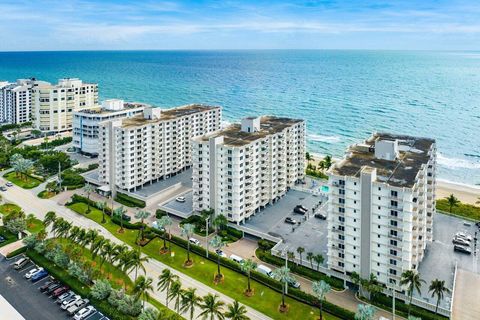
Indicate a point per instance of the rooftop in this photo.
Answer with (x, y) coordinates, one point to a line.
(99, 110)
(234, 136)
(401, 172)
(167, 114)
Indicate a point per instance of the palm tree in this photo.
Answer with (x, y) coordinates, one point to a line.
(97, 245)
(291, 256)
(165, 280)
(90, 237)
(327, 162)
(247, 267)
(142, 215)
(437, 288)
(102, 205)
(163, 223)
(220, 222)
(452, 202)
(318, 258)
(107, 251)
(217, 243)
(212, 307)
(236, 311)
(310, 258)
(137, 261)
(365, 312)
(300, 251)
(120, 212)
(88, 188)
(412, 280)
(49, 218)
(175, 293)
(308, 156)
(141, 288)
(283, 275)
(74, 233)
(187, 231)
(320, 289)
(190, 301)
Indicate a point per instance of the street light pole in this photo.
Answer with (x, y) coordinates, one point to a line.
(286, 266)
(206, 225)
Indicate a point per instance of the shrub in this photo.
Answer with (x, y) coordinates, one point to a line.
(382, 300)
(101, 289)
(115, 297)
(129, 305)
(16, 252)
(129, 201)
(160, 213)
(71, 178)
(128, 225)
(266, 244)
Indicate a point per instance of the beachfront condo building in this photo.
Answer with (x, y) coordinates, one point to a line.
(240, 169)
(381, 206)
(153, 146)
(16, 100)
(54, 105)
(86, 122)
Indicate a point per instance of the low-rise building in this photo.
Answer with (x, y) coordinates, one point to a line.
(239, 170)
(152, 146)
(381, 206)
(54, 105)
(86, 122)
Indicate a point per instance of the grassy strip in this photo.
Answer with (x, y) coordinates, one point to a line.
(45, 194)
(204, 271)
(9, 237)
(16, 252)
(463, 210)
(25, 181)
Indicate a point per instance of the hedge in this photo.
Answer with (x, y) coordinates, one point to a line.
(77, 198)
(267, 257)
(16, 252)
(129, 201)
(128, 225)
(401, 308)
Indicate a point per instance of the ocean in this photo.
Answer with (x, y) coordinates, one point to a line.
(343, 95)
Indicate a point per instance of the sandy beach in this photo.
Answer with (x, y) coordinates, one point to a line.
(464, 192)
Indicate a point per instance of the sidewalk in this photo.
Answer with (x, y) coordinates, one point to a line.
(11, 247)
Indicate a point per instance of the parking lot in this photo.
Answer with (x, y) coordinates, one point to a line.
(25, 296)
(439, 261)
(179, 209)
(310, 234)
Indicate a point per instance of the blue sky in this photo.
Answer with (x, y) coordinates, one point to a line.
(315, 24)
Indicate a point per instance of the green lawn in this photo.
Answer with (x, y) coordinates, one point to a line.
(9, 237)
(8, 208)
(45, 194)
(463, 210)
(265, 300)
(35, 225)
(25, 182)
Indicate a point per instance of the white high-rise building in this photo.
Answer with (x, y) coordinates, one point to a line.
(16, 100)
(381, 206)
(54, 104)
(239, 170)
(155, 145)
(86, 122)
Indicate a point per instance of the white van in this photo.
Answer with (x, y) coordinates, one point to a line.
(265, 270)
(20, 263)
(237, 259)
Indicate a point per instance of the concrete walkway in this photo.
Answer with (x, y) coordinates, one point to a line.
(39, 207)
(11, 247)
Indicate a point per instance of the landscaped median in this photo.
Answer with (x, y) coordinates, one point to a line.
(22, 180)
(267, 296)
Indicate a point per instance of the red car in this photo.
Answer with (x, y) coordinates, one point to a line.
(59, 291)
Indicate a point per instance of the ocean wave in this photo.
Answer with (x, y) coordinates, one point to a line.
(457, 163)
(225, 123)
(321, 138)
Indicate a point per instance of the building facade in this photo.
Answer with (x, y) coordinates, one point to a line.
(86, 122)
(16, 100)
(155, 145)
(54, 105)
(381, 206)
(239, 170)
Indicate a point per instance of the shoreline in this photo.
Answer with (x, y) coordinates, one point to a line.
(466, 193)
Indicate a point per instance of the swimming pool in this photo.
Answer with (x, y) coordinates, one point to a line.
(325, 189)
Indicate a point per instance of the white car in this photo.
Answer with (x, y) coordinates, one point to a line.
(65, 296)
(194, 241)
(180, 199)
(85, 312)
(32, 272)
(70, 302)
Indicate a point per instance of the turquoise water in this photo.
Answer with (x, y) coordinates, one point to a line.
(343, 95)
(325, 189)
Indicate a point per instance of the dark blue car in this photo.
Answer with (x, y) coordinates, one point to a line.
(39, 276)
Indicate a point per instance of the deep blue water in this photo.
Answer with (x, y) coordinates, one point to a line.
(343, 95)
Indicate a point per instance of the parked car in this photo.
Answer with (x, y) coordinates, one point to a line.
(460, 241)
(3, 188)
(70, 302)
(236, 258)
(9, 184)
(97, 316)
(302, 207)
(47, 284)
(265, 270)
(77, 306)
(290, 220)
(462, 249)
(2, 239)
(294, 284)
(180, 199)
(477, 224)
(320, 216)
(39, 276)
(463, 235)
(52, 288)
(221, 253)
(126, 217)
(20, 263)
(65, 296)
(156, 226)
(58, 292)
(194, 241)
(32, 272)
(84, 313)
(299, 210)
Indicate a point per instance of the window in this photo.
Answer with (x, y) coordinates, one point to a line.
(394, 193)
